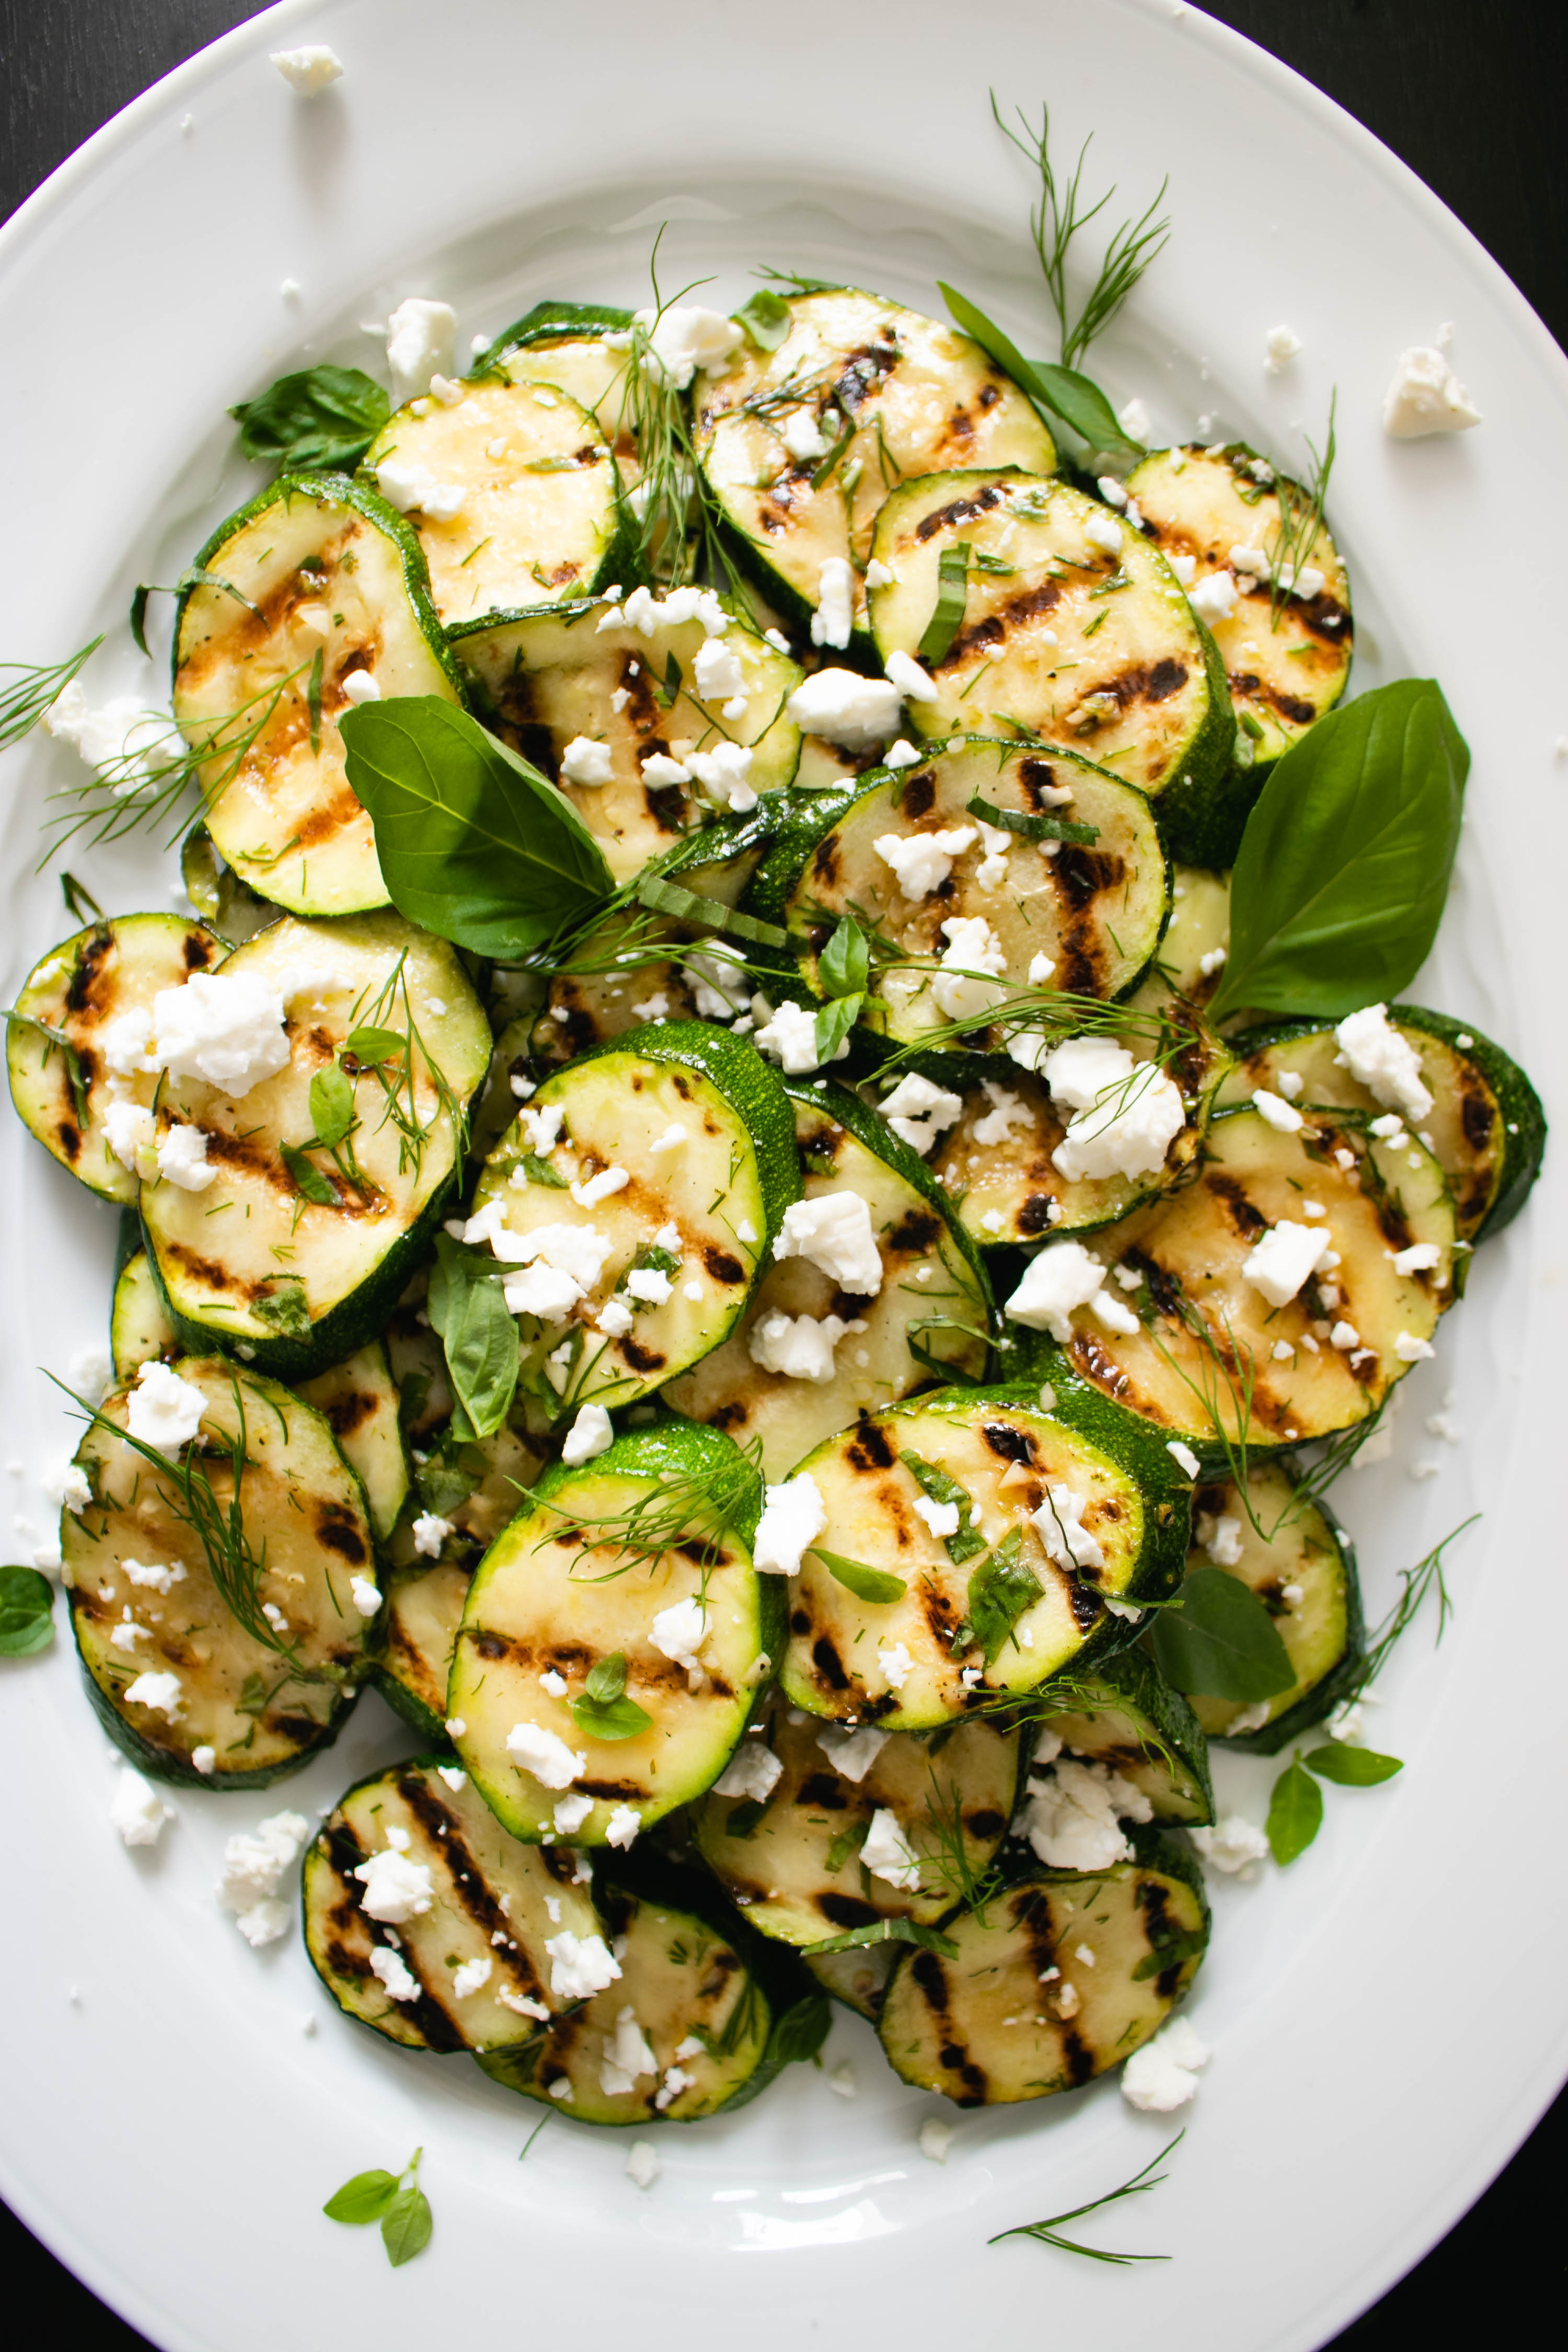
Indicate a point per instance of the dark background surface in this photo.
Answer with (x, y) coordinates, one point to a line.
(1472, 99)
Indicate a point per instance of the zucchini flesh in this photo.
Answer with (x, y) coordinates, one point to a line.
(316, 566)
(1125, 1714)
(982, 2029)
(492, 1900)
(548, 680)
(722, 1187)
(933, 1296)
(139, 1328)
(917, 396)
(1095, 911)
(1305, 1575)
(581, 364)
(1003, 1456)
(1287, 667)
(423, 1611)
(1080, 643)
(251, 1259)
(1198, 929)
(539, 521)
(1216, 1372)
(78, 989)
(562, 1591)
(858, 1979)
(361, 1406)
(1486, 1124)
(261, 1707)
(794, 1868)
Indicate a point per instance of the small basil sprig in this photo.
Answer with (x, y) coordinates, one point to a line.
(474, 843)
(1001, 1589)
(603, 1711)
(1221, 1642)
(844, 970)
(323, 418)
(468, 1308)
(872, 1584)
(335, 1120)
(766, 318)
(1296, 1806)
(1342, 874)
(26, 1613)
(395, 2200)
(1076, 399)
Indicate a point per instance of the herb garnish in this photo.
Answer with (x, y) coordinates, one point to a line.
(603, 1711)
(322, 419)
(26, 1613)
(1221, 1641)
(395, 2200)
(1055, 221)
(34, 687)
(468, 1308)
(1047, 2232)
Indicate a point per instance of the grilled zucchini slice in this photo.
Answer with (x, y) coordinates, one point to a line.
(697, 1126)
(1073, 628)
(858, 1978)
(980, 2026)
(656, 694)
(1003, 1615)
(360, 1402)
(1197, 937)
(588, 1575)
(1094, 911)
(423, 1611)
(255, 1259)
(313, 583)
(1202, 1359)
(472, 1971)
(566, 344)
(701, 2015)
(75, 991)
(890, 394)
(1125, 1714)
(929, 1317)
(1284, 667)
(207, 1670)
(1302, 1568)
(139, 1325)
(792, 1861)
(1487, 1125)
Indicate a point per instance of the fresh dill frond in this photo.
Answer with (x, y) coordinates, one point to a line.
(700, 1506)
(1426, 1576)
(1055, 220)
(1301, 519)
(391, 1051)
(947, 1856)
(27, 690)
(1047, 2232)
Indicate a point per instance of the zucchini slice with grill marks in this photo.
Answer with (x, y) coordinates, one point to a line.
(792, 1859)
(360, 1404)
(859, 1352)
(565, 345)
(1303, 1570)
(1012, 1607)
(889, 395)
(1073, 627)
(1015, 2013)
(701, 2016)
(1486, 1124)
(676, 708)
(614, 1638)
(291, 1256)
(1211, 1353)
(1125, 1714)
(1285, 668)
(140, 1330)
(1197, 937)
(180, 1659)
(858, 1978)
(471, 1969)
(314, 584)
(512, 488)
(642, 1225)
(1087, 916)
(78, 990)
(423, 1610)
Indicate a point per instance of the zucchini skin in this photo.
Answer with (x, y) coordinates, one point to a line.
(426, 1727)
(682, 1447)
(547, 319)
(1314, 1704)
(160, 1765)
(1131, 1675)
(1135, 1446)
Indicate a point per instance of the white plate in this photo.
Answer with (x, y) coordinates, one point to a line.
(1389, 2017)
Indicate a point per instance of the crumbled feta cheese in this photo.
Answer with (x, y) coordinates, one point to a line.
(1233, 1842)
(580, 1966)
(70, 1488)
(1060, 1279)
(1059, 1522)
(537, 1752)
(1220, 1535)
(684, 337)
(132, 1134)
(794, 1515)
(1410, 1349)
(469, 1976)
(921, 862)
(753, 1771)
(122, 737)
(164, 1412)
(395, 1889)
(896, 1666)
(1164, 2073)
(1008, 1111)
(903, 754)
(393, 1973)
(1277, 1112)
(1344, 1336)
(1213, 598)
(308, 70)
(414, 490)
(601, 1187)
(848, 710)
(136, 1810)
(364, 1595)
(571, 1813)
(941, 1518)
(723, 774)
(1421, 1257)
(650, 1284)
(918, 1112)
(1073, 1812)
(1183, 566)
(1381, 1059)
(911, 682)
(834, 1232)
(359, 686)
(430, 1531)
(227, 1030)
(1105, 532)
(934, 2138)
(182, 1158)
(789, 1038)
(589, 1436)
(454, 1776)
(1281, 1261)
(802, 436)
(418, 345)
(626, 2056)
(972, 947)
(679, 1632)
(642, 2163)
(888, 1853)
(1426, 397)
(161, 1693)
(1183, 1455)
(621, 1829)
(1280, 346)
(1126, 1115)
(586, 761)
(851, 1753)
(1134, 420)
(797, 1347)
(830, 624)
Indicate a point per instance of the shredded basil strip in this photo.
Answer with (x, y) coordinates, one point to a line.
(670, 898)
(1033, 828)
(952, 595)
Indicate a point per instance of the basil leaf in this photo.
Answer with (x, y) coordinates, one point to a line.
(309, 1181)
(332, 1105)
(1077, 399)
(886, 1931)
(845, 1842)
(1221, 1641)
(474, 843)
(944, 1488)
(1295, 1813)
(1342, 874)
(873, 1584)
(845, 964)
(285, 1307)
(540, 1171)
(1032, 828)
(670, 898)
(372, 1046)
(833, 1024)
(800, 2032)
(952, 595)
(766, 318)
(741, 1820)
(1170, 1954)
(405, 2225)
(603, 1710)
(26, 1613)
(323, 418)
(364, 2199)
(477, 1332)
(1000, 1591)
(1351, 1767)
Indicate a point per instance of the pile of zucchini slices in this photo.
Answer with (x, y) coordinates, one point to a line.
(747, 1456)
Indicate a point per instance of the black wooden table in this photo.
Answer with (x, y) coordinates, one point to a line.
(1473, 99)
